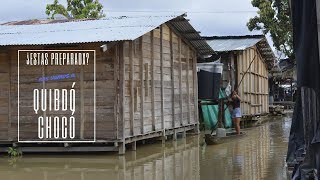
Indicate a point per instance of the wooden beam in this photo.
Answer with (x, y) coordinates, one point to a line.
(152, 82)
(172, 79)
(180, 82)
(195, 91)
(162, 84)
(122, 89)
(131, 76)
(141, 86)
(116, 79)
(188, 85)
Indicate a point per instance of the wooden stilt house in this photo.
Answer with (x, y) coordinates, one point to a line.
(145, 81)
(247, 60)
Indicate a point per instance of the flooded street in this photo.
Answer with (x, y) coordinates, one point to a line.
(259, 155)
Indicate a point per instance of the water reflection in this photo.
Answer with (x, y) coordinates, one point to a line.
(259, 155)
(178, 160)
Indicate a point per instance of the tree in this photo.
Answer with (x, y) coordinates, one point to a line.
(76, 9)
(274, 18)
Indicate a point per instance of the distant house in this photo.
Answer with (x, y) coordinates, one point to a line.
(146, 82)
(282, 80)
(247, 60)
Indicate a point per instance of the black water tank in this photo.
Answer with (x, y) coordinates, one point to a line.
(209, 78)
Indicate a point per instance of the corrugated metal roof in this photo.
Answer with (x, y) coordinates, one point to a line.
(190, 34)
(233, 44)
(103, 30)
(110, 29)
(239, 43)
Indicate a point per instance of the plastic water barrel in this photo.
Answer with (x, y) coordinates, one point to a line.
(209, 78)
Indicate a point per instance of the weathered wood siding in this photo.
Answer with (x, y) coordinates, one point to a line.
(105, 93)
(4, 95)
(142, 86)
(160, 87)
(254, 87)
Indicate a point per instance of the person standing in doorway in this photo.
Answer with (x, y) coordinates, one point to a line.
(236, 112)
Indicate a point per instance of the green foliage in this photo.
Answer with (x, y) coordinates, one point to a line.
(76, 9)
(14, 152)
(13, 161)
(274, 18)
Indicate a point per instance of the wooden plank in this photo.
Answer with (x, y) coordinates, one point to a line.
(82, 115)
(9, 101)
(131, 87)
(121, 93)
(172, 79)
(147, 84)
(116, 79)
(180, 81)
(141, 86)
(161, 66)
(251, 84)
(188, 86)
(195, 91)
(152, 82)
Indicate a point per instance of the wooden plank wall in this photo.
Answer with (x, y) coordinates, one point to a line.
(165, 96)
(4, 95)
(105, 93)
(254, 88)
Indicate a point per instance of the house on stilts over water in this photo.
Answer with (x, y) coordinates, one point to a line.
(247, 61)
(144, 76)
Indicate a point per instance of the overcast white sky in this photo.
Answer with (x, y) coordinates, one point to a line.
(211, 17)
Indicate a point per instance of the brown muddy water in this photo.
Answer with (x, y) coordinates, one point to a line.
(259, 155)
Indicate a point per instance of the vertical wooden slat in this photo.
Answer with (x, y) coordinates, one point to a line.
(240, 91)
(180, 82)
(172, 79)
(152, 82)
(131, 88)
(141, 86)
(161, 69)
(121, 87)
(195, 90)
(82, 118)
(251, 79)
(188, 86)
(146, 67)
(122, 96)
(9, 99)
(116, 81)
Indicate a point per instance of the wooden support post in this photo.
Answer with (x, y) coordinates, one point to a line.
(195, 93)
(134, 145)
(152, 83)
(116, 86)
(180, 82)
(162, 84)
(175, 135)
(122, 148)
(122, 95)
(251, 82)
(132, 95)
(141, 86)
(172, 80)
(188, 86)
(221, 114)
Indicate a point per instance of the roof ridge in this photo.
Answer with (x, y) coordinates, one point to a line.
(234, 37)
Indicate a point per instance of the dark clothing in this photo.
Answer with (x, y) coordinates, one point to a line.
(235, 102)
